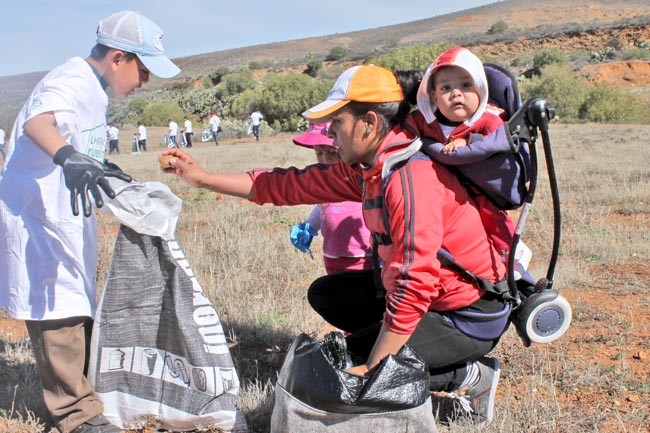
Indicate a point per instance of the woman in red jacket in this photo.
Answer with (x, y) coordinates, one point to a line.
(413, 206)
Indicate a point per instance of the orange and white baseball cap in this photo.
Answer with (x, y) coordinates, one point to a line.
(367, 83)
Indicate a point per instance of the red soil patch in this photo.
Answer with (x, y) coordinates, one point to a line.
(626, 75)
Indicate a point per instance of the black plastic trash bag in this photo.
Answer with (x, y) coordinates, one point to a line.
(314, 394)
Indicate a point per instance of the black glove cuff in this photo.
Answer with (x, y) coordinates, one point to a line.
(62, 154)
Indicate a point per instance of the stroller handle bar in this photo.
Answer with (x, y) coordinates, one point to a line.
(532, 118)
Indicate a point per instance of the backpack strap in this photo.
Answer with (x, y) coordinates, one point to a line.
(500, 288)
(446, 259)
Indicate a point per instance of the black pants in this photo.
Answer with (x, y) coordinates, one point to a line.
(113, 146)
(188, 139)
(349, 301)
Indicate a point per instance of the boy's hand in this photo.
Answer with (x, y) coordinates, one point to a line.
(83, 174)
(453, 145)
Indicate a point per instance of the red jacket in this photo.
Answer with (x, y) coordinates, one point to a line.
(491, 119)
(428, 208)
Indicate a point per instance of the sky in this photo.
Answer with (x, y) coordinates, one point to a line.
(38, 35)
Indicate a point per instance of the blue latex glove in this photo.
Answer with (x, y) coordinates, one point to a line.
(301, 236)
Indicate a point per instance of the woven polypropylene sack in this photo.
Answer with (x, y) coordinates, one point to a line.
(158, 348)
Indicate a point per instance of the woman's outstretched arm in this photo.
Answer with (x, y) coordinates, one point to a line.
(187, 169)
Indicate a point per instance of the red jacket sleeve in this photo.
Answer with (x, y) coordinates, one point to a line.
(310, 185)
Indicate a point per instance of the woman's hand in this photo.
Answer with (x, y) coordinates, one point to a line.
(359, 370)
(185, 167)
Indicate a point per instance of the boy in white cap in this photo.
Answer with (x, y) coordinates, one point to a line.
(48, 259)
(453, 109)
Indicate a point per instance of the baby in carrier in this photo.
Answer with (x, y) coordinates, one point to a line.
(454, 117)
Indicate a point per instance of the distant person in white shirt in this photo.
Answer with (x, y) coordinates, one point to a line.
(142, 137)
(188, 131)
(215, 127)
(256, 119)
(113, 139)
(2, 143)
(173, 132)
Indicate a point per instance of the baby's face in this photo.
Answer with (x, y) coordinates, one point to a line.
(327, 155)
(455, 94)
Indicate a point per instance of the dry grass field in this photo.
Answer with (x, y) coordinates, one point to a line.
(594, 379)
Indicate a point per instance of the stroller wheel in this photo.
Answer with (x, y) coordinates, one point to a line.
(544, 317)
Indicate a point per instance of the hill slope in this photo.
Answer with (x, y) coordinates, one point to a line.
(570, 24)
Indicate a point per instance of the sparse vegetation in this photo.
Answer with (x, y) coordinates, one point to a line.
(337, 53)
(417, 58)
(498, 27)
(548, 56)
(159, 112)
(314, 66)
(576, 100)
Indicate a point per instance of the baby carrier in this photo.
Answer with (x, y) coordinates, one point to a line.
(508, 177)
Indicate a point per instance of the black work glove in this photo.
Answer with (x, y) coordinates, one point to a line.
(83, 174)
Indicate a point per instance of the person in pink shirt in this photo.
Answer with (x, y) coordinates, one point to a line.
(346, 239)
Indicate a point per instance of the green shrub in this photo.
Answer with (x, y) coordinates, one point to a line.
(523, 60)
(313, 67)
(548, 56)
(337, 53)
(636, 54)
(216, 76)
(135, 108)
(245, 103)
(158, 113)
(205, 101)
(561, 87)
(234, 84)
(284, 98)
(607, 53)
(498, 27)
(607, 104)
(417, 57)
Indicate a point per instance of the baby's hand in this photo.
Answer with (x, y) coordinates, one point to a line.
(453, 145)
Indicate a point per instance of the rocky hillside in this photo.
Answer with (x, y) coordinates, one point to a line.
(576, 26)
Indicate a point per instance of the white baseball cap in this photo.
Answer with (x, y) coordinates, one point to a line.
(134, 33)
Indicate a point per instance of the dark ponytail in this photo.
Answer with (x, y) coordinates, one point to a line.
(410, 82)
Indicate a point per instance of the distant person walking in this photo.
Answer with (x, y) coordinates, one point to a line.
(142, 137)
(188, 132)
(256, 120)
(173, 132)
(215, 127)
(113, 139)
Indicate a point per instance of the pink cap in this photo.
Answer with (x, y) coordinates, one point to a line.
(316, 135)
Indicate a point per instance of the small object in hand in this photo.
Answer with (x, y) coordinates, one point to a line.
(166, 161)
